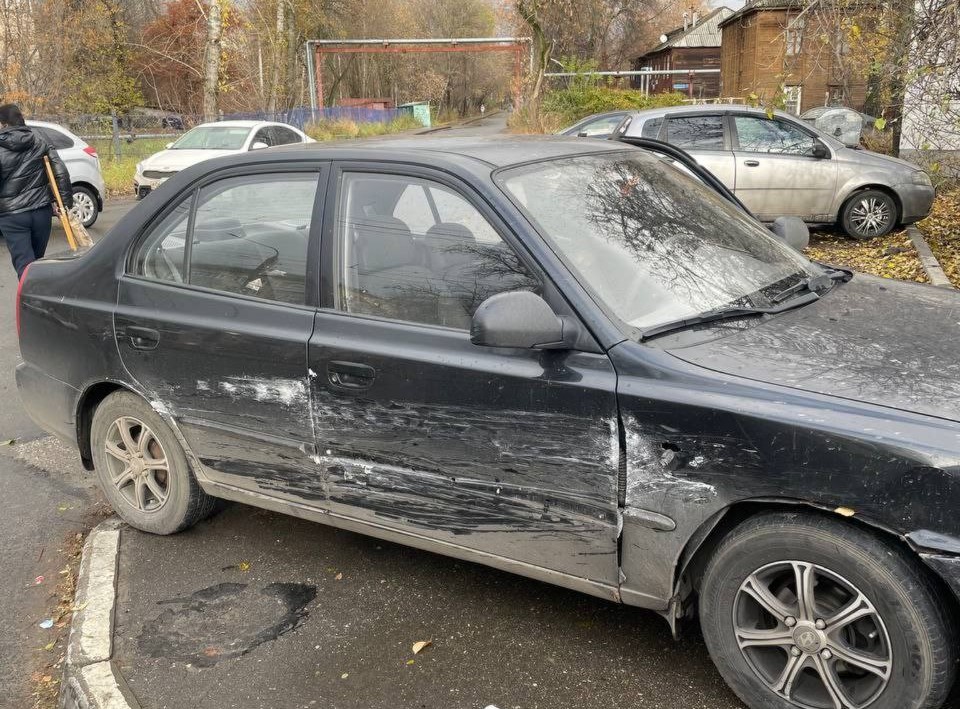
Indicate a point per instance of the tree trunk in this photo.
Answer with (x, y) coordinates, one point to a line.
(279, 57)
(211, 62)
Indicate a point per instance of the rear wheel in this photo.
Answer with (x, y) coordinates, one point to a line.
(804, 611)
(142, 468)
(869, 214)
(85, 205)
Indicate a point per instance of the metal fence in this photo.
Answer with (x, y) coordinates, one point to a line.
(143, 132)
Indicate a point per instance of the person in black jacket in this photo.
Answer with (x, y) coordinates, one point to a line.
(26, 212)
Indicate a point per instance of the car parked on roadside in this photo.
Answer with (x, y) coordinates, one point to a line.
(781, 166)
(562, 358)
(211, 140)
(82, 163)
(599, 125)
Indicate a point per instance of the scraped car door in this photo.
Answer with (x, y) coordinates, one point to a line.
(509, 453)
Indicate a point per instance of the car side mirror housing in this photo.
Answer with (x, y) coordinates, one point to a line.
(522, 320)
(793, 231)
(820, 151)
(259, 146)
(582, 134)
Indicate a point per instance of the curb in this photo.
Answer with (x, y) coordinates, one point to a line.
(90, 677)
(929, 262)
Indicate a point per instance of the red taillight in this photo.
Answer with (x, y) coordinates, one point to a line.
(91, 151)
(19, 292)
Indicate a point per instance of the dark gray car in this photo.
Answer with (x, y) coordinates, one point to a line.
(781, 166)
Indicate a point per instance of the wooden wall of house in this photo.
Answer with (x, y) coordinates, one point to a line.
(704, 85)
(753, 59)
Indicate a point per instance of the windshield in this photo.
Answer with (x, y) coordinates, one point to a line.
(651, 243)
(213, 138)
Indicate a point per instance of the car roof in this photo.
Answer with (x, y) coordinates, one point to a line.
(245, 124)
(709, 108)
(493, 151)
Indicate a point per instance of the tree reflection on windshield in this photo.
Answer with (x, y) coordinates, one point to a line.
(652, 243)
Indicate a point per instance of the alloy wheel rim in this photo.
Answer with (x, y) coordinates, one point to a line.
(82, 206)
(137, 464)
(812, 636)
(871, 216)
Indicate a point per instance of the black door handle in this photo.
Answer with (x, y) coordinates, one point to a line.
(143, 338)
(350, 375)
(751, 163)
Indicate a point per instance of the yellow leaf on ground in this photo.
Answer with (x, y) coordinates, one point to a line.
(418, 647)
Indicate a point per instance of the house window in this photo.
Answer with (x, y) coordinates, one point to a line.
(794, 36)
(836, 96)
(791, 99)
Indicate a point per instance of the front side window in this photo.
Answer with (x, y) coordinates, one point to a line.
(696, 132)
(759, 134)
(248, 236)
(649, 242)
(415, 250)
(213, 138)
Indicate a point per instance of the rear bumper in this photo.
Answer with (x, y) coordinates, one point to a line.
(915, 202)
(49, 402)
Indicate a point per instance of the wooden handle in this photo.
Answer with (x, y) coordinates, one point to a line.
(64, 217)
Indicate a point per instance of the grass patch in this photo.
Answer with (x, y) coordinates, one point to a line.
(891, 256)
(563, 107)
(118, 175)
(341, 129)
(942, 231)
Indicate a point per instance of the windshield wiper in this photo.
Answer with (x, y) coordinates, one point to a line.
(814, 284)
(725, 314)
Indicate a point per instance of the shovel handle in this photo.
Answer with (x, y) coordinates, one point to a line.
(64, 217)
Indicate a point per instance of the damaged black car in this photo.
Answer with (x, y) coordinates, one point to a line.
(565, 359)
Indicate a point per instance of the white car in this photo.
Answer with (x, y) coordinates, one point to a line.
(82, 163)
(212, 140)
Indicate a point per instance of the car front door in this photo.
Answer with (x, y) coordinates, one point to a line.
(703, 135)
(213, 320)
(511, 454)
(777, 174)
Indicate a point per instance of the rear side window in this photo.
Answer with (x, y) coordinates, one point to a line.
(284, 136)
(696, 132)
(651, 129)
(414, 250)
(53, 137)
(248, 236)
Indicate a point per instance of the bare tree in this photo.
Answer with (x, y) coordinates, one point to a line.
(211, 62)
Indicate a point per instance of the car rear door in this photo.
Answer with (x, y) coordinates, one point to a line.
(511, 454)
(215, 311)
(776, 173)
(705, 137)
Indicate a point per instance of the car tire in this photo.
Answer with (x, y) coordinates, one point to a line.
(902, 632)
(129, 440)
(85, 205)
(869, 214)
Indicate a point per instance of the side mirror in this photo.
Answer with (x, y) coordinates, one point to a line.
(168, 146)
(792, 231)
(520, 319)
(820, 151)
(582, 134)
(259, 146)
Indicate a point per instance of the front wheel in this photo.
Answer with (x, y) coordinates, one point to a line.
(804, 611)
(869, 214)
(85, 207)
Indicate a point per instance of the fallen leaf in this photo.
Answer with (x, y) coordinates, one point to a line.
(243, 566)
(338, 577)
(8, 442)
(49, 646)
(211, 651)
(344, 675)
(420, 646)
(63, 508)
(845, 512)
(77, 609)
(411, 662)
(37, 581)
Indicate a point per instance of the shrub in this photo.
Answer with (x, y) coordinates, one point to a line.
(572, 104)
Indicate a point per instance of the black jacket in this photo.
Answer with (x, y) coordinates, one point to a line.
(23, 177)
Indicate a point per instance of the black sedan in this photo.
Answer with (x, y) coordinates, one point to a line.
(562, 358)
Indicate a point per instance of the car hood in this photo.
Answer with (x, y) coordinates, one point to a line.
(176, 160)
(874, 340)
(868, 157)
